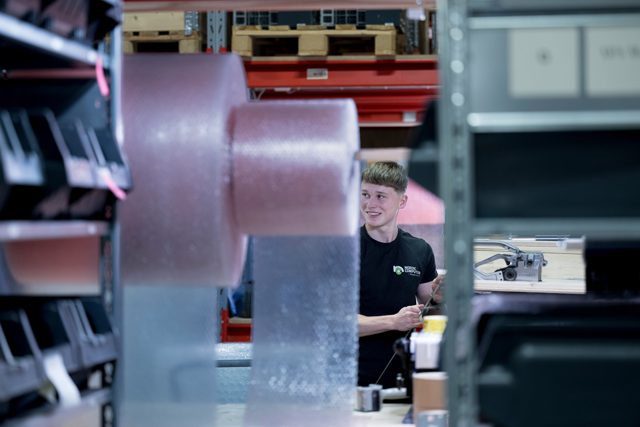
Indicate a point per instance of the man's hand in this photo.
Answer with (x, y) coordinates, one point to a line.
(408, 317)
(439, 296)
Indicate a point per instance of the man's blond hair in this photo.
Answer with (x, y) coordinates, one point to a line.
(387, 174)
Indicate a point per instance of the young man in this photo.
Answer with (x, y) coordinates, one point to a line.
(395, 269)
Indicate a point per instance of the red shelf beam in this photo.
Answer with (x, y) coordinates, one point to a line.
(233, 332)
(375, 105)
(384, 91)
(350, 73)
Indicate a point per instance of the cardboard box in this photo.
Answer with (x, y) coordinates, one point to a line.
(429, 392)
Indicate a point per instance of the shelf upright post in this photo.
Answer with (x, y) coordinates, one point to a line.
(455, 177)
(110, 243)
(217, 30)
(112, 297)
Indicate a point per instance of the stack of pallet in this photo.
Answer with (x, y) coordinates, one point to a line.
(264, 34)
(314, 40)
(159, 32)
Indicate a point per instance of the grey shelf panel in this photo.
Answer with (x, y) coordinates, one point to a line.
(42, 230)
(57, 417)
(548, 5)
(38, 38)
(50, 290)
(605, 228)
(546, 121)
(553, 21)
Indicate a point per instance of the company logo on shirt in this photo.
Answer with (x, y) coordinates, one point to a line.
(407, 269)
(412, 271)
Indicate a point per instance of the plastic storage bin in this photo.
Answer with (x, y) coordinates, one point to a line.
(21, 167)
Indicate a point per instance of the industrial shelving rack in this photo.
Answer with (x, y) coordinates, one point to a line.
(38, 55)
(472, 63)
(386, 92)
(390, 92)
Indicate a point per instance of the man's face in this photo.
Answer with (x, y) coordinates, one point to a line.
(379, 204)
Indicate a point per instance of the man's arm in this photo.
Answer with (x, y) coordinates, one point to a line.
(407, 318)
(425, 290)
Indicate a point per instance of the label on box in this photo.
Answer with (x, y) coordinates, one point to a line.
(612, 61)
(543, 63)
(317, 73)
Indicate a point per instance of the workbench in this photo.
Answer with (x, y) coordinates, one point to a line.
(391, 415)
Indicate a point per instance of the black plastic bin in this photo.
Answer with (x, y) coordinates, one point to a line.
(74, 187)
(20, 360)
(22, 178)
(94, 334)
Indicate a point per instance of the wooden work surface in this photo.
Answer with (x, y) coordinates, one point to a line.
(391, 415)
(546, 286)
(564, 273)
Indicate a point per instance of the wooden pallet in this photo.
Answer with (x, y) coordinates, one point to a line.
(134, 41)
(314, 40)
(153, 21)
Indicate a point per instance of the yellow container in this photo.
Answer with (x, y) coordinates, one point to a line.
(434, 324)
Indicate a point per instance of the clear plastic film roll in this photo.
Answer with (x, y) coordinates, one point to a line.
(168, 363)
(305, 334)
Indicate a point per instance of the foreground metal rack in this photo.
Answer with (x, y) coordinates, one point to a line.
(485, 94)
(44, 69)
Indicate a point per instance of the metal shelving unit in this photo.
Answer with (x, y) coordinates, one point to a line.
(477, 100)
(391, 92)
(51, 68)
(455, 178)
(51, 44)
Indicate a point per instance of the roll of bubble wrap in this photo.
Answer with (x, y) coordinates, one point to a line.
(294, 171)
(178, 226)
(305, 331)
(210, 167)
